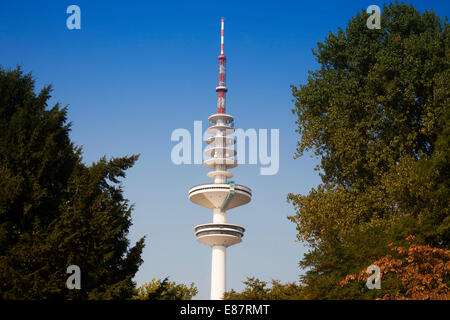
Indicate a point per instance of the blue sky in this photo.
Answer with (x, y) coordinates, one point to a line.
(137, 70)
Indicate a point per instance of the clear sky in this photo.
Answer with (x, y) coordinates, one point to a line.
(137, 70)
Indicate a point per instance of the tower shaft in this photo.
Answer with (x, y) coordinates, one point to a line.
(218, 272)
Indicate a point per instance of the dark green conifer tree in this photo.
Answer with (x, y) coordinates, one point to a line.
(56, 211)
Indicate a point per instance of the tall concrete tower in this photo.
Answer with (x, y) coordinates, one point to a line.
(221, 195)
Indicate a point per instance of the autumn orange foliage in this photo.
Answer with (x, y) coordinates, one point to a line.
(423, 272)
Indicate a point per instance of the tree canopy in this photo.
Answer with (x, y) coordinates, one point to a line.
(377, 114)
(55, 211)
(164, 289)
(256, 289)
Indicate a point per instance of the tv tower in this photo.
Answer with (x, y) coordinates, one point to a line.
(221, 195)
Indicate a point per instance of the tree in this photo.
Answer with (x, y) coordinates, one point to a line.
(412, 273)
(56, 211)
(164, 289)
(377, 114)
(258, 290)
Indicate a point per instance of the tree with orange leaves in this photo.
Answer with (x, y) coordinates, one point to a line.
(413, 273)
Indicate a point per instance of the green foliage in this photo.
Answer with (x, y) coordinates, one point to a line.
(377, 114)
(258, 290)
(54, 210)
(159, 289)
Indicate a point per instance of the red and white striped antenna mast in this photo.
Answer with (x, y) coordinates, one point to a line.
(221, 88)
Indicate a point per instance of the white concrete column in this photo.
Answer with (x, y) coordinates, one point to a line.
(218, 272)
(220, 178)
(219, 216)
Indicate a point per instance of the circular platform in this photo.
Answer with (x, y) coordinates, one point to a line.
(223, 88)
(216, 173)
(225, 128)
(228, 140)
(227, 152)
(213, 195)
(219, 234)
(226, 117)
(228, 162)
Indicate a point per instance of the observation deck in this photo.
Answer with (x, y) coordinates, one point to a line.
(220, 195)
(219, 234)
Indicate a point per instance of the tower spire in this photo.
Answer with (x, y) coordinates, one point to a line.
(221, 37)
